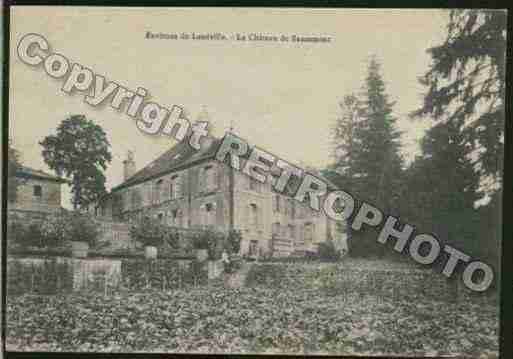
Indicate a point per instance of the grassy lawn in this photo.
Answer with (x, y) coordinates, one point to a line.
(219, 320)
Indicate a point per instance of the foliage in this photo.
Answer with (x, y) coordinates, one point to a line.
(172, 238)
(80, 150)
(249, 320)
(377, 163)
(149, 231)
(13, 166)
(49, 277)
(211, 240)
(466, 83)
(162, 274)
(443, 188)
(233, 240)
(344, 140)
(461, 154)
(59, 229)
(369, 165)
(265, 274)
(201, 240)
(24, 235)
(328, 252)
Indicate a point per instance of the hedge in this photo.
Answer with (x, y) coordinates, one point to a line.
(337, 279)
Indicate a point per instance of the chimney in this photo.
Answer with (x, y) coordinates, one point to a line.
(128, 166)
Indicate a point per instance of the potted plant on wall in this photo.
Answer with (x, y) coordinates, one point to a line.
(75, 229)
(150, 233)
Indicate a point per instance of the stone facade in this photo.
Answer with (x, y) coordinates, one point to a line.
(209, 193)
(38, 194)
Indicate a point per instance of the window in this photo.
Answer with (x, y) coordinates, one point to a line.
(160, 216)
(276, 228)
(209, 214)
(253, 185)
(288, 205)
(276, 204)
(292, 231)
(207, 179)
(38, 191)
(134, 198)
(175, 187)
(128, 200)
(253, 216)
(300, 211)
(147, 190)
(308, 233)
(158, 195)
(253, 246)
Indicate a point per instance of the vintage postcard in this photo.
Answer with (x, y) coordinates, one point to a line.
(255, 180)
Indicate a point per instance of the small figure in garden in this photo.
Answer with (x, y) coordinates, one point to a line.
(225, 259)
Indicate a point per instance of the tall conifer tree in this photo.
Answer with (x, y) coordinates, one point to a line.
(372, 170)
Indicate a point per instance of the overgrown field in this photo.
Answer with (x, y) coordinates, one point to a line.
(250, 319)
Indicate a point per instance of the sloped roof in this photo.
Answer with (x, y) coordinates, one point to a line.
(177, 157)
(27, 172)
(182, 156)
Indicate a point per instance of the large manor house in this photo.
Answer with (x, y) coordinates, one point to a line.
(190, 189)
(187, 188)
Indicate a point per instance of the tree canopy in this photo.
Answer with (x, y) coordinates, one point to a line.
(80, 151)
(466, 84)
(366, 152)
(366, 142)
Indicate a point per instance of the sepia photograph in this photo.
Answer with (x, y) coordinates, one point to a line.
(274, 181)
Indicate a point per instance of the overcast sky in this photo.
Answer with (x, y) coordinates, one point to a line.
(282, 96)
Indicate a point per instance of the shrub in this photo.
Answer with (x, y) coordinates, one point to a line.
(23, 235)
(68, 226)
(148, 231)
(172, 238)
(15, 233)
(233, 241)
(211, 240)
(200, 240)
(271, 275)
(327, 251)
(34, 235)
